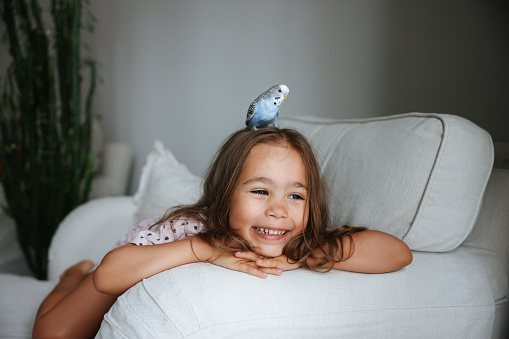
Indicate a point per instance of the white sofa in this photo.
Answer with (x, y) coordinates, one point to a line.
(421, 177)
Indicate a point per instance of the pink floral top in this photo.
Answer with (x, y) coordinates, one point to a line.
(168, 231)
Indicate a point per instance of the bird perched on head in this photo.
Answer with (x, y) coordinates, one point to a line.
(264, 110)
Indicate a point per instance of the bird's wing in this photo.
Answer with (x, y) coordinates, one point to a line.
(271, 92)
(250, 111)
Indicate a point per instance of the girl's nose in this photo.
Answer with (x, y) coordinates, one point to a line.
(276, 209)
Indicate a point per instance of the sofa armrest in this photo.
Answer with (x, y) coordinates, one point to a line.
(489, 239)
(202, 300)
(89, 232)
(491, 231)
(114, 176)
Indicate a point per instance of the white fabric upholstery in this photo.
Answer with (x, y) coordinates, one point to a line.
(489, 239)
(20, 297)
(164, 183)
(494, 218)
(204, 301)
(89, 232)
(11, 256)
(417, 176)
(113, 178)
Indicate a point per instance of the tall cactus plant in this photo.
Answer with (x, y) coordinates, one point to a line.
(45, 129)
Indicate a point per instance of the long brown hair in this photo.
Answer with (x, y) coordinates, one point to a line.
(214, 205)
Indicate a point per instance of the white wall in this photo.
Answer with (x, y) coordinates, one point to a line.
(186, 71)
(448, 56)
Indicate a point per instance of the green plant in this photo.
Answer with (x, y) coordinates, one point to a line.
(46, 165)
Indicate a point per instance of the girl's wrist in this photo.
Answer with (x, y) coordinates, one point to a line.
(201, 250)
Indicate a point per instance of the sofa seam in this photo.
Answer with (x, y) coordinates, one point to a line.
(431, 178)
(166, 315)
(105, 318)
(501, 301)
(159, 307)
(116, 327)
(136, 314)
(361, 120)
(478, 202)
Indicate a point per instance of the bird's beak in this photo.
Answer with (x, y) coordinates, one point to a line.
(286, 96)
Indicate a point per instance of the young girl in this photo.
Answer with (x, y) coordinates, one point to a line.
(264, 211)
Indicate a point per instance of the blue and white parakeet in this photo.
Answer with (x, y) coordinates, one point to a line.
(265, 109)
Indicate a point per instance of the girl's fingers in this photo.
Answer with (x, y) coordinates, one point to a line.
(254, 264)
(254, 271)
(262, 271)
(267, 262)
(247, 255)
(280, 262)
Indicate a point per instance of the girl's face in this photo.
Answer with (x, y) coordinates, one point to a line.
(269, 205)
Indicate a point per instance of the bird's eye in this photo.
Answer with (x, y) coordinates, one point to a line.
(280, 91)
(275, 103)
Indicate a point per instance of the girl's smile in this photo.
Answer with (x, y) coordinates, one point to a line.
(269, 205)
(268, 231)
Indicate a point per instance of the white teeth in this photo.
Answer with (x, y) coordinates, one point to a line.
(269, 231)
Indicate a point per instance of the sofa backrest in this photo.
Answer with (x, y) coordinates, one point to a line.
(420, 177)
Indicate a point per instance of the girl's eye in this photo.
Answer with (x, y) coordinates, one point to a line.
(260, 192)
(296, 196)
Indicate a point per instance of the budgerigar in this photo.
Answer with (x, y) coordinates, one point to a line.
(265, 109)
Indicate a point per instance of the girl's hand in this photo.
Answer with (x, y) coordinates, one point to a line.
(246, 264)
(274, 266)
(234, 263)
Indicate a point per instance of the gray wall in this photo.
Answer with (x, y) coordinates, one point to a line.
(185, 72)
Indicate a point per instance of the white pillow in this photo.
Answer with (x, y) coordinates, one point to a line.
(420, 177)
(89, 232)
(164, 183)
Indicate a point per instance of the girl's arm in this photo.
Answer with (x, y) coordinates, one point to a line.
(127, 265)
(372, 252)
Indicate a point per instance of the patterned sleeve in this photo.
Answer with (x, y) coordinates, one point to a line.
(149, 233)
(133, 232)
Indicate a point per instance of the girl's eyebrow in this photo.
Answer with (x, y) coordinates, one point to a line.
(270, 182)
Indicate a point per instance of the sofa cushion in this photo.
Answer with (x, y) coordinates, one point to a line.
(164, 183)
(20, 298)
(489, 239)
(11, 255)
(420, 177)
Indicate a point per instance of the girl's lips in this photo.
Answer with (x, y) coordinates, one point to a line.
(270, 233)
